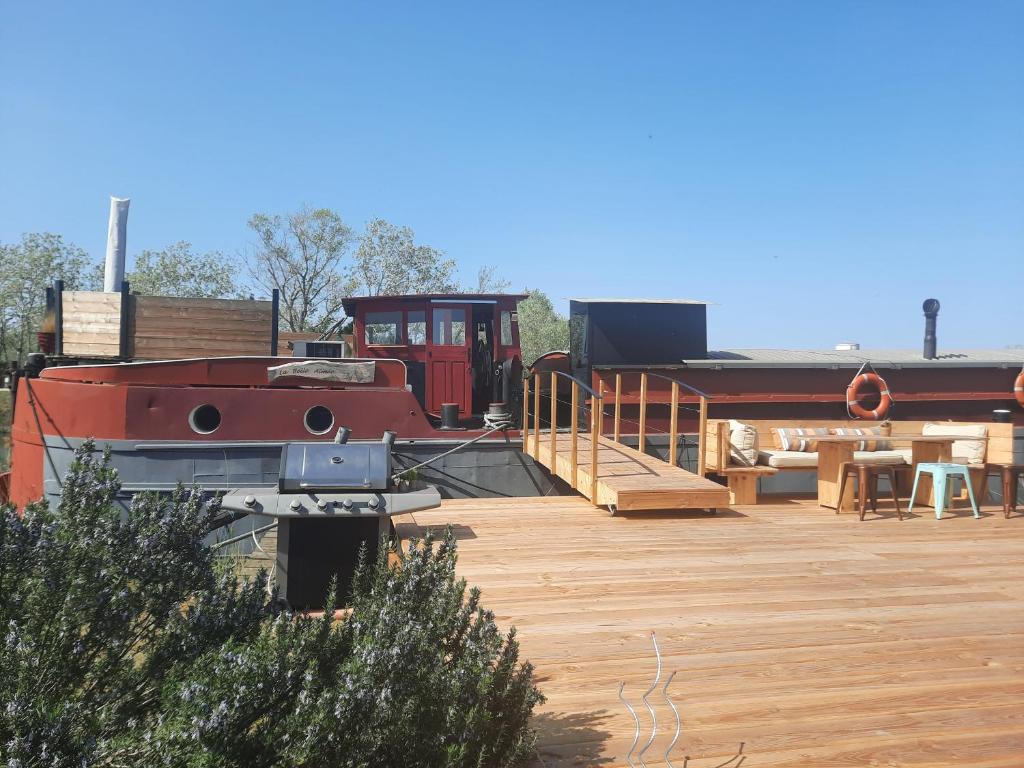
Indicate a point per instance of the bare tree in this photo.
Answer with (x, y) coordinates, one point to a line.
(489, 281)
(389, 263)
(302, 255)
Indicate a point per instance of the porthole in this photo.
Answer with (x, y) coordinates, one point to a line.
(318, 419)
(204, 419)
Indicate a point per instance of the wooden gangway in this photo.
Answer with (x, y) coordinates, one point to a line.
(615, 475)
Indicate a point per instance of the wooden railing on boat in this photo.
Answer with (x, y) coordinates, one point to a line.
(616, 474)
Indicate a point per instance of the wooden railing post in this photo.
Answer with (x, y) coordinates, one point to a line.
(600, 392)
(554, 423)
(595, 438)
(702, 438)
(643, 412)
(673, 421)
(573, 426)
(526, 415)
(536, 416)
(618, 407)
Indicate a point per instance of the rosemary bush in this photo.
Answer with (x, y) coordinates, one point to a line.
(124, 642)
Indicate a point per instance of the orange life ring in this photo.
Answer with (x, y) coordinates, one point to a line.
(853, 397)
(1018, 388)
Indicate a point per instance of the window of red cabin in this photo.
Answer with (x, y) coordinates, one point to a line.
(383, 328)
(416, 327)
(449, 327)
(506, 329)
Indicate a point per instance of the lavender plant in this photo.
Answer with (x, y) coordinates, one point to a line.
(124, 642)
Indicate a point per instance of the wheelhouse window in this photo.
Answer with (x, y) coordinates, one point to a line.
(383, 328)
(506, 329)
(449, 327)
(416, 327)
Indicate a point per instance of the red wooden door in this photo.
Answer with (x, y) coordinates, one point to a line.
(448, 358)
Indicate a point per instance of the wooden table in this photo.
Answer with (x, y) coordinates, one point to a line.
(836, 450)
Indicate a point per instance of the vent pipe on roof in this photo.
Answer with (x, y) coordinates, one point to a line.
(931, 311)
(117, 242)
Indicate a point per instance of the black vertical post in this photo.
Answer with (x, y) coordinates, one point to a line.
(275, 306)
(126, 311)
(58, 317)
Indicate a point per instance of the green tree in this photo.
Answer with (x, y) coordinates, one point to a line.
(177, 271)
(303, 256)
(124, 642)
(27, 268)
(541, 328)
(389, 263)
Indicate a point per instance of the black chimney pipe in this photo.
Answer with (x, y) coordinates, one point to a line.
(931, 311)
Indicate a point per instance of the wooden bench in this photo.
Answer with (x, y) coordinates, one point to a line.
(742, 480)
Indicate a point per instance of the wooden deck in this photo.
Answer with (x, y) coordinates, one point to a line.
(627, 478)
(813, 639)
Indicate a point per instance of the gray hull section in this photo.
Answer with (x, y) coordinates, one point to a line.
(487, 469)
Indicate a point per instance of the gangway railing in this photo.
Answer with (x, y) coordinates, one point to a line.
(597, 416)
(596, 425)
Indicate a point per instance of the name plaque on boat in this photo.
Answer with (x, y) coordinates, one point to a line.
(361, 372)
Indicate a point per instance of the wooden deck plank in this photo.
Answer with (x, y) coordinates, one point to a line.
(627, 478)
(812, 638)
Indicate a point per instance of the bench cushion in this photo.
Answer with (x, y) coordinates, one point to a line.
(882, 430)
(789, 459)
(742, 444)
(908, 457)
(795, 439)
(804, 460)
(879, 457)
(968, 451)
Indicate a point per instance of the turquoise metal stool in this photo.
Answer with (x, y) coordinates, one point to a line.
(941, 473)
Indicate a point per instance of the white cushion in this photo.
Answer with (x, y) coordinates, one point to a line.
(908, 456)
(879, 457)
(970, 451)
(742, 443)
(800, 459)
(804, 460)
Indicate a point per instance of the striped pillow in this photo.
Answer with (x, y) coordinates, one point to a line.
(867, 445)
(795, 438)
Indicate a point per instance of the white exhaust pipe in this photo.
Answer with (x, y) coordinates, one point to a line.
(117, 241)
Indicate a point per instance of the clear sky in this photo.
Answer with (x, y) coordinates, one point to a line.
(815, 169)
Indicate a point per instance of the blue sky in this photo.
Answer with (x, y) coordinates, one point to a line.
(815, 169)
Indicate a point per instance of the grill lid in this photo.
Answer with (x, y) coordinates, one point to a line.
(330, 466)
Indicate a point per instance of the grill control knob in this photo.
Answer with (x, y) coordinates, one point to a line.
(249, 501)
(374, 502)
(295, 505)
(321, 504)
(347, 503)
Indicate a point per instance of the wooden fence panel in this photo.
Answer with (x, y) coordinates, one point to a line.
(92, 323)
(162, 327)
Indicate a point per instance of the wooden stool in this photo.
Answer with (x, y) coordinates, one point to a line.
(867, 485)
(1010, 475)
